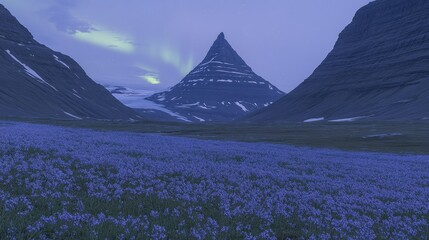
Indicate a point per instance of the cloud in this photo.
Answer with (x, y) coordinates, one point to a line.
(150, 75)
(168, 58)
(67, 23)
(59, 13)
(171, 56)
(151, 79)
(105, 38)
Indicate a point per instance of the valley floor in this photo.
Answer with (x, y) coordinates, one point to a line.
(58, 182)
(370, 136)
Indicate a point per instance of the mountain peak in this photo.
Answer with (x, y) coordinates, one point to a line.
(221, 43)
(222, 51)
(221, 88)
(221, 36)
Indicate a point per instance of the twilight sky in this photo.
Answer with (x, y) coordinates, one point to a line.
(153, 44)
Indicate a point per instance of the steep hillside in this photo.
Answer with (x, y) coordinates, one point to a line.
(378, 69)
(39, 82)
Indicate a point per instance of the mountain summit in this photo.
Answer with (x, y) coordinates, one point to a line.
(41, 83)
(221, 88)
(378, 69)
(222, 51)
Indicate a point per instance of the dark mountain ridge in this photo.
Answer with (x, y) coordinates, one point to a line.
(378, 69)
(38, 82)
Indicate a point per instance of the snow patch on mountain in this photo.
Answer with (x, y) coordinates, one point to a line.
(241, 106)
(314, 120)
(71, 115)
(58, 60)
(30, 72)
(348, 119)
(200, 119)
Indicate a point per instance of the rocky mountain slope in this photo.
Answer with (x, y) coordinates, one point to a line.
(378, 69)
(39, 82)
(221, 88)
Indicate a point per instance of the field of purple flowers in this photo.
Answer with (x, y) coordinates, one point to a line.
(58, 183)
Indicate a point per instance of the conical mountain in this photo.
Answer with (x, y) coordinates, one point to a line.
(221, 88)
(378, 69)
(41, 83)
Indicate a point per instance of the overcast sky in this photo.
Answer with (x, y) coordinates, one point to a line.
(153, 44)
